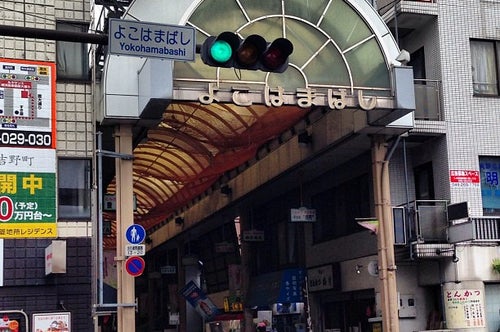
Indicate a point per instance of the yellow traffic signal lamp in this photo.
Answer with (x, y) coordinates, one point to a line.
(253, 53)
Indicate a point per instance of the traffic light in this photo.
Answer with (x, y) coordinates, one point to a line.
(253, 53)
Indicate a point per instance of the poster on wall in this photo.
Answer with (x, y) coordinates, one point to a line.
(464, 308)
(51, 322)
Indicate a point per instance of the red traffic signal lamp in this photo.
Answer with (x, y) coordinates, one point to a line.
(253, 53)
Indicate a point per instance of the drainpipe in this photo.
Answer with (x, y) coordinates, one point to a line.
(385, 234)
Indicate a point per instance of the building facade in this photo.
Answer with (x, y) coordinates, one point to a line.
(26, 285)
(231, 231)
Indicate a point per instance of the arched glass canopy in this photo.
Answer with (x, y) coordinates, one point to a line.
(335, 46)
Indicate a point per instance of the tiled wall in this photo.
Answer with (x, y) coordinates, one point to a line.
(25, 286)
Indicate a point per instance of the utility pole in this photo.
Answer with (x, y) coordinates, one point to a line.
(124, 218)
(385, 234)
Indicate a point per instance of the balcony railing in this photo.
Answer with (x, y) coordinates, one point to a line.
(426, 222)
(476, 230)
(421, 221)
(385, 5)
(428, 100)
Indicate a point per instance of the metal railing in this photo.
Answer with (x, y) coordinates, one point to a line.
(423, 221)
(486, 229)
(428, 100)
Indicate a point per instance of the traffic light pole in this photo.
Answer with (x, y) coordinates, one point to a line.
(385, 234)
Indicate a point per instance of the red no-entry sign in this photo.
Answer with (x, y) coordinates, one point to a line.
(135, 265)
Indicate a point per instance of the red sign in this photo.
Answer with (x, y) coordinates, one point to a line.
(135, 265)
(464, 176)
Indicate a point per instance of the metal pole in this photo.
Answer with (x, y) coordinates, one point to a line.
(51, 34)
(99, 218)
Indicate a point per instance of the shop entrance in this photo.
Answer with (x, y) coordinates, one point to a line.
(349, 312)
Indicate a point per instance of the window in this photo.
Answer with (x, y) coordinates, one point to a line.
(424, 182)
(72, 58)
(338, 208)
(485, 66)
(418, 64)
(73, 188)
(489, 168)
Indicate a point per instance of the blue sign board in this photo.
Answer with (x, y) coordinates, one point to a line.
(135, 234)
(144, 39)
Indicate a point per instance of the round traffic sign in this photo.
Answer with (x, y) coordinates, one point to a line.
(135, 234)
(135, 265)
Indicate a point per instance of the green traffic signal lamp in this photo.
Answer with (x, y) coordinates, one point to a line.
(253, 53)
(219, 51)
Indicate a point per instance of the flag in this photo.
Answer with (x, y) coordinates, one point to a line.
(370, 224)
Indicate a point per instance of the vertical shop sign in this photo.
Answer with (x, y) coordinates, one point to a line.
(464, 308)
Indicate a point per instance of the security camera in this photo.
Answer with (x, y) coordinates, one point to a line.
(403, 57)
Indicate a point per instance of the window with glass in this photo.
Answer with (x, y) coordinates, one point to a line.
(338, 208)
(74, 183)
(489, 168)
(72, 58)
(485, 66)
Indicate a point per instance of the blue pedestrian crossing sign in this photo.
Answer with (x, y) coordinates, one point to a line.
(135, 234)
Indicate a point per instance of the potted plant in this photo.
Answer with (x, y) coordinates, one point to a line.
(496, 264)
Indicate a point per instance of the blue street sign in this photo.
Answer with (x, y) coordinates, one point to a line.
(135, 265)
(135, 234)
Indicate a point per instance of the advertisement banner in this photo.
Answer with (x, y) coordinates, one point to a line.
(28, 193)
(199, 300)
(52, 322)
(27, 104)
(464, 308)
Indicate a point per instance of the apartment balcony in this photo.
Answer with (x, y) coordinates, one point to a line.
(422, 229)
(407, 15)
(428, 100)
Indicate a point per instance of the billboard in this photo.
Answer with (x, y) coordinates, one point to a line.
(28, 186)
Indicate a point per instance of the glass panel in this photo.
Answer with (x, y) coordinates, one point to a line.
(217, 16)
(72, 58)
(341, 22)
(484, 68)
(73, 188)
(258, 8)
(368, 65)
(310, 10)
(344, 25)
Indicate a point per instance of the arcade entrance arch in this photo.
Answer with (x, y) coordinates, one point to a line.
(192, 124)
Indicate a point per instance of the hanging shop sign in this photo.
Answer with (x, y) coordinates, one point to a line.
(199, 300)
(302, 214)
(252, 235)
